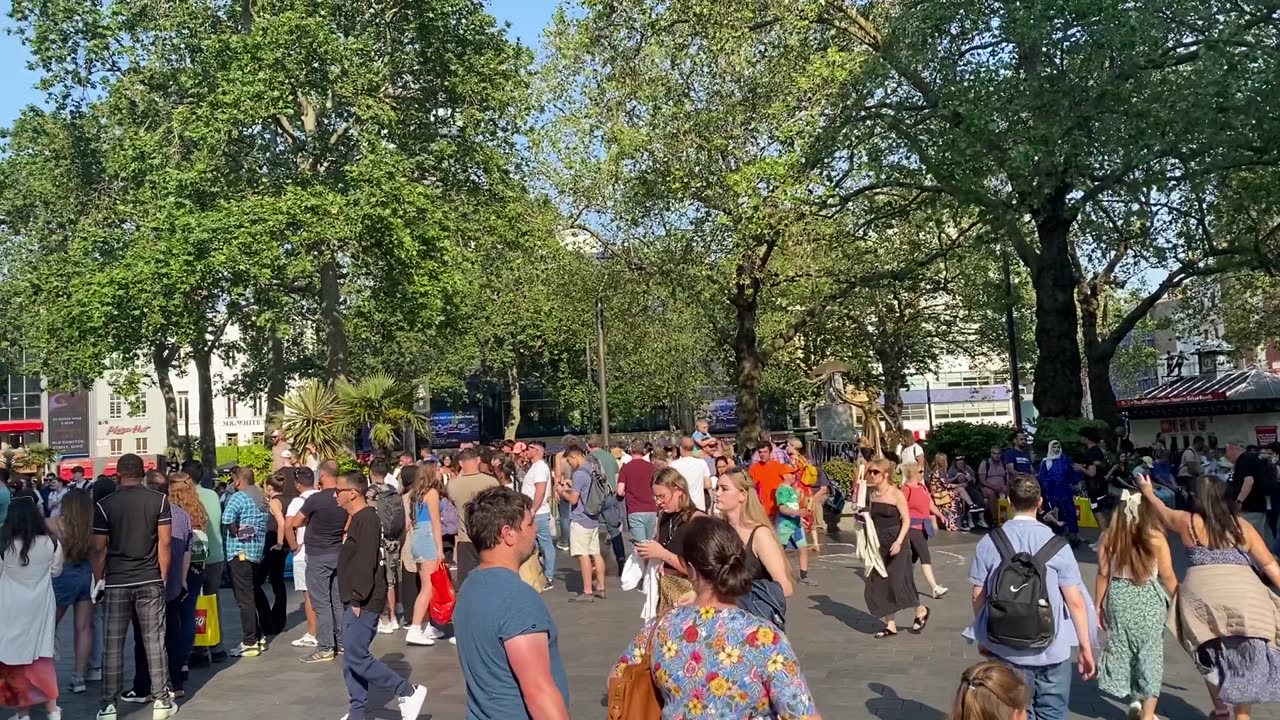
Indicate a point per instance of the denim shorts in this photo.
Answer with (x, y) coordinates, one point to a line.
(74, 584)
(423, 545)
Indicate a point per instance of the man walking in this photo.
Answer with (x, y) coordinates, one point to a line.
(325, 521)
(362, 582)
(536, 485)
(635, 486)
(468, 484)
(131, 529)
(305, 482)
(504, 628)
(1046, 670)
(584, 530)
(1250, 486)
(245, 522)
(695, 473)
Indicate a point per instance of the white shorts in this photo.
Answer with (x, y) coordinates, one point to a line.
(583, 541)
(300, 571)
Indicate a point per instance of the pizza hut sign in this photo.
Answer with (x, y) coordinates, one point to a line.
(127, 429)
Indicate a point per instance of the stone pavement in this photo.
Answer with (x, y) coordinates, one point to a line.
(851, 674)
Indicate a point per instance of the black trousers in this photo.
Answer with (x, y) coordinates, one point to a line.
(272, 616)
(244, 585)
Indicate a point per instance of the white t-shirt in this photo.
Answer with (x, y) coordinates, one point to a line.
(538, 472)
(695, 473)
(295, 506)
(912, 453)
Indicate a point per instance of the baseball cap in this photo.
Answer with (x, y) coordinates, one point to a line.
(286, 454)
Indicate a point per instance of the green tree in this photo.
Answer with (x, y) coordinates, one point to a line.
(381, 404)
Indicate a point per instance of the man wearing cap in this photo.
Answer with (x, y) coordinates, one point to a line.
(281, 452)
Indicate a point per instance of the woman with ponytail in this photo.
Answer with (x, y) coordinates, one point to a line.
(710, 658)
(991, 691)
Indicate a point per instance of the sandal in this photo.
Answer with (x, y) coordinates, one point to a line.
(886, 633)
(600, 595)
(921, 621)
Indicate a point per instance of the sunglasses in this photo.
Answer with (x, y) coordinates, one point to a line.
(874, 471)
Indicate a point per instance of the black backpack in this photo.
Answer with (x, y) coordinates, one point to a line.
(390, 507)
(1019, 613)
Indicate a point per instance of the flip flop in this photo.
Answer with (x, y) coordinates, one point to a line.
(886, 633)
(918, 626)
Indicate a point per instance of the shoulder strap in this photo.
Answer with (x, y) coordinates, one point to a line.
(1003, 546)
(1050, 549)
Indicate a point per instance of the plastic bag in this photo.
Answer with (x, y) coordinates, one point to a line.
(442, 597)
(208, 629)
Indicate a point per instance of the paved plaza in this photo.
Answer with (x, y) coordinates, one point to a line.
(852, 675)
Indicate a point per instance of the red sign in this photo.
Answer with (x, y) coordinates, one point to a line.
(1171, 400)
(126, 429)
(1266, 434)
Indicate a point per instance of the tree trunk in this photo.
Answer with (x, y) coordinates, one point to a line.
(750, 368)
(277, 383)
(1098, 354)
(335, 328)
(1058, 390)
(162, 357)
(204, 394)
(513, 396)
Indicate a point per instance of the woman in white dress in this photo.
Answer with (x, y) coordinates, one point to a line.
(30, 560)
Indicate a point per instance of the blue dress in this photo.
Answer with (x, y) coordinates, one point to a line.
(1056, 480)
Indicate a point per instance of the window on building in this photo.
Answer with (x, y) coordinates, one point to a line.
(256, 405)
(140, 445)
(116, 446)
(258, 438)
(115, 406)
(915, 412)
(233, 439)
(980, 411)
(184, 405)
(232, 406)
(138, 407)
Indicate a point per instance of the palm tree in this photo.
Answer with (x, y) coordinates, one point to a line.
(383, 405)
(313, 416)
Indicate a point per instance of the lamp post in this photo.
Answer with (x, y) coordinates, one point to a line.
(1011, 335)
(928, 403)
(601, 380)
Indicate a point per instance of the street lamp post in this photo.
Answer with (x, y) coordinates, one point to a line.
(1010, 330)
(600, 373)
(928, 403)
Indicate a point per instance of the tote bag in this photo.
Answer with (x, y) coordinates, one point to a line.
(208, 630)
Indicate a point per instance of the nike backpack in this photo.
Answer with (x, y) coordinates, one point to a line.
(1019, 614)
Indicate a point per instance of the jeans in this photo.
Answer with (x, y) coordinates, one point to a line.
(95, 654)
(565, 510)
(322, 587)
(643, 526)
(1259, 522)
(244, 586)
(546, 545)
(360, 668)
(1050, 689)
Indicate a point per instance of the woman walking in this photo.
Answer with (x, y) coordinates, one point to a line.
(923, 511)
(426, 547)
(72, 588)
(738, 504)
(1133, 556)
(991, 691)
(31, 559)
(675, 510)
(1056, 477)
(1224, 615)
(710, 658)
(895, 590)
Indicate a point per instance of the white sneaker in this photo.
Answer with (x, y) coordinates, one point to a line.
(163, 709)
(939, 591)
(411, 705)
(77, 683)
(416, 636)
(307, 640)
(107, 713)
(386, 628)
(432, 632)
(55, 715)
(453, 640)
(24, 716)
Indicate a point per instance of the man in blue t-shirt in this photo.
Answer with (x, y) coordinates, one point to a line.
(508, 644)
(1016, 460)
(1047, 671)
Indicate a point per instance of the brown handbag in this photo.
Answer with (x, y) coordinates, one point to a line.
(633, 695)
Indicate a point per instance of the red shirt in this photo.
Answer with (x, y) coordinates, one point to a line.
(917, 501)
(767, 477)
(637, 480)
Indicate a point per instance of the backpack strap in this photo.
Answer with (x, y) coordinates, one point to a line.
(1051, 548)
(1003, 546)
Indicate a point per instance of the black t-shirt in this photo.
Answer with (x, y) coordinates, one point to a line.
(131, 517)
(1097, 485)
(325, 523)
(362, 581)
(1252, 465)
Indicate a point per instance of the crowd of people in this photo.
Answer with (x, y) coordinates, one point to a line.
(713, 534)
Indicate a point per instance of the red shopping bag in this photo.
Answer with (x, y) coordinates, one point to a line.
(442, 597)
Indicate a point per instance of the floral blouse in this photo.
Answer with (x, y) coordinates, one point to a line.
(718, 663)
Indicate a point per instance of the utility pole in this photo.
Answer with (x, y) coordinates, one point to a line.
(1011, 335)
(600, 373)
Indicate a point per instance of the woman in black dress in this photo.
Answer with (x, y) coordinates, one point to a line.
(886, 596)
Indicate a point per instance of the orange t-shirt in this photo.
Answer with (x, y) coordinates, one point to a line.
(767, 477)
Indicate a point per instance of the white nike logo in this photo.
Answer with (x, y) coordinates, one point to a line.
(1018, 588)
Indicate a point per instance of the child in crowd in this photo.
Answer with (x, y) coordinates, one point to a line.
(991, 691)
(790, 525)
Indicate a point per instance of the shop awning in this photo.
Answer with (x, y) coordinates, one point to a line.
(68, 464)
(21, 426)
(148, 463)
(1217, 393)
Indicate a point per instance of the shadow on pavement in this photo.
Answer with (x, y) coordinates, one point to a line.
(852, 617)
(891, 706)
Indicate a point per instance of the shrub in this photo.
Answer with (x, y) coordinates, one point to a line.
(840, 472)
(972, 440)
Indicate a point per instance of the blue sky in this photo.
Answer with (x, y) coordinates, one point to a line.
(527, 19)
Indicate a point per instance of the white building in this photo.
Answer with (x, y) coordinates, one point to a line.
(964, 388)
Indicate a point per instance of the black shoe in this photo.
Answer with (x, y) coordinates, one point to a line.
(130, 696)
(218, 655)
